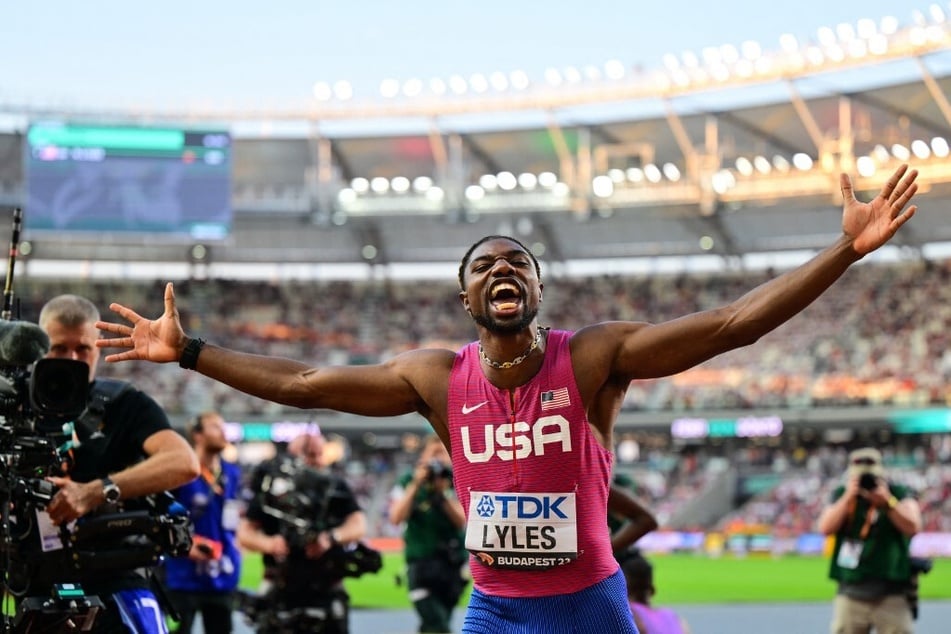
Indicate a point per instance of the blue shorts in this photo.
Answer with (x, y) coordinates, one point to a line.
(140, 611)
(601, 608)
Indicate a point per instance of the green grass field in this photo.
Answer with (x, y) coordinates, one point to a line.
(680, 579)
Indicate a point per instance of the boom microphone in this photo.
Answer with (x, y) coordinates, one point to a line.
(22, 343)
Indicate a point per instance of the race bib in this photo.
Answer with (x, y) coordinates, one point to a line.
(231, 515)
(522, 531)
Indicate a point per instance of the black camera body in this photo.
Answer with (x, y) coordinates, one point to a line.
(868, 481)
(437, 470)
(303, 597)
(299, 497)
(41, 411)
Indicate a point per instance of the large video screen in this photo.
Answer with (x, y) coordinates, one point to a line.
(115, 179)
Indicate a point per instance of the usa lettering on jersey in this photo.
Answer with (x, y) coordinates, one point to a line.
(517, 441)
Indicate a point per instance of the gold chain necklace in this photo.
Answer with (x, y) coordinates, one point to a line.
(514, 362)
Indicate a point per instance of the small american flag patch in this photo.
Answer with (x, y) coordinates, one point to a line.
(554, 399)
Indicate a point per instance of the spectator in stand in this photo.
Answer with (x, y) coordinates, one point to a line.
(873, 521)
(639, 575)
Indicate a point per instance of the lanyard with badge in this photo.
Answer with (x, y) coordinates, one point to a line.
(850, 551)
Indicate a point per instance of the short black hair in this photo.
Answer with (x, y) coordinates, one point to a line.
(638, 572)
(481, 241)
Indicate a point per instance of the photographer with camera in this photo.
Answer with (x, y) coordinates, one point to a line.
(123, 448)
(873, 521)
(307, 523)
(433, 536)
(205, 580)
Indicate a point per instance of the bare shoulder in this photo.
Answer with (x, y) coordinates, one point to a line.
(604, 337)
(427, 371)
(426, 359)
(600, 351)
(424, 368)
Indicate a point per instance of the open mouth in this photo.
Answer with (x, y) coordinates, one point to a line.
(505, 296)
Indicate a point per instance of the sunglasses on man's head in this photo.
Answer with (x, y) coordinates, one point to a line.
(864, 461)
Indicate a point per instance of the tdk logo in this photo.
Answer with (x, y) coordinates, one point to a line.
(521, 506)
(485, 507)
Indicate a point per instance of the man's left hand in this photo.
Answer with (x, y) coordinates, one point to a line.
(878, 496)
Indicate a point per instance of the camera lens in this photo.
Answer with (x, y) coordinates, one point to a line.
(868, 481)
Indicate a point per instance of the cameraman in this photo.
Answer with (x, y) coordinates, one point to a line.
(128, 450)
(433, 536)
(873, 521)
(301, 518)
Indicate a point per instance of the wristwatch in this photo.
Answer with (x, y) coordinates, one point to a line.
(110, 490)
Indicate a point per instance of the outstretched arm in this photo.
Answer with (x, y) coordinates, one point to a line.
(171, 463)
(388, 389)
(639, 522)
(649, 351)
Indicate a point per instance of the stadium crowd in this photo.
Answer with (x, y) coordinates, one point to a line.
(839, 351)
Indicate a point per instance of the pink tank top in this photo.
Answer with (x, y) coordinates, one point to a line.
(657, 620)
(532, 478)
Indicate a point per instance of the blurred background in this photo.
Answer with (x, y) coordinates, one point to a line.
(310, 179)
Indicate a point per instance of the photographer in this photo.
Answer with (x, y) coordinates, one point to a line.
(433, 536)
(125, 451)
(205, 580)
(873, 521)
(303, 519)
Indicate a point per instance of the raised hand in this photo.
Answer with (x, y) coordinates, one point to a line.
(160, 340)
(872, 224)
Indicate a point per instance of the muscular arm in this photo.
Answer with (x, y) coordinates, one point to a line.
(387, 389)
(170, 464)
(353, 529)
(833, 516)
(402, 506)
(642, 351)
(906, 516)
(639, 522)
(415, 381)
(650, 351)
(252, 538)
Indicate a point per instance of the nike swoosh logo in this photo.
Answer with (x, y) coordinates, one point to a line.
(468, 410)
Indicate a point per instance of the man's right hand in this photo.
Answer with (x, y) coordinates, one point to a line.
(276, 546)
(72, 500)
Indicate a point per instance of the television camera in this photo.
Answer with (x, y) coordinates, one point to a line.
(302, 597)
(44, 403)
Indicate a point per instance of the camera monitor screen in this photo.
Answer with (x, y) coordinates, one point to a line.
(113, 179)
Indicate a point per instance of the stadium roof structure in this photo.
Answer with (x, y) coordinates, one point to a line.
(709, 159)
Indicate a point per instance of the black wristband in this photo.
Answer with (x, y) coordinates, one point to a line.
(189, 358)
